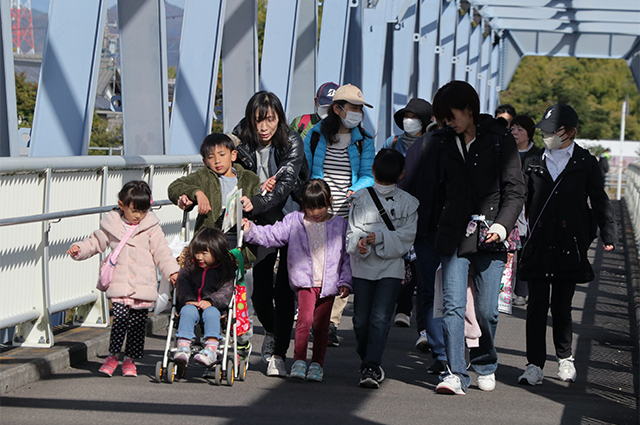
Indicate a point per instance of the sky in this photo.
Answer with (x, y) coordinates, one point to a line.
(43, 5)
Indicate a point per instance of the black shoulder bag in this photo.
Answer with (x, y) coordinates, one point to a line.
(381, 210)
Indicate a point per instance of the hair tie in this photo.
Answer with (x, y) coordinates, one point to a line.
(150, 200)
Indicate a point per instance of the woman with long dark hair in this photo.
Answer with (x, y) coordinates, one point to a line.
(268, 147)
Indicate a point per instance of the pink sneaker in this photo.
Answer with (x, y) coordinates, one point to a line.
(109, 366)
(129, 368)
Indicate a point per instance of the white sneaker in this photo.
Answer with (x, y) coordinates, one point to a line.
(268, 346)
(487, 382)
(402, 320)
(450, 385)
(533, 375)
(275, 367)
(422, 344)
(566, 370)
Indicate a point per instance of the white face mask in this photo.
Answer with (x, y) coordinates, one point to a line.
(323, 111)
(383, 189)
(553, 140)
(412, 126)
(352, 120)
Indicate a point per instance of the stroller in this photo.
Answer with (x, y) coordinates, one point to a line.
(228, 366)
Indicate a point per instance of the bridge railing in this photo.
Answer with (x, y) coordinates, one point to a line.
(50, 203)
(632, 196)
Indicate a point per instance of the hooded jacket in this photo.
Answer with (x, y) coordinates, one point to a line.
(135, 273)
(204, 284)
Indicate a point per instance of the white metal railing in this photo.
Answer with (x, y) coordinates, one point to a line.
(49, 203)
(632, 196)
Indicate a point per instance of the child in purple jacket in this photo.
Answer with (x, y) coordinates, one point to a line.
(319, 269)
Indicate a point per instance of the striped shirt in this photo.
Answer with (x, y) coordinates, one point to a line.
(337, 173)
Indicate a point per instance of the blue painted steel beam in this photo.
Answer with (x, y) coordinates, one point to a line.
(303, 82)
(485, 60)
(332, 47)
(429, 14)
(448, 18)
(461, 58)
(493, 83)
(8, 111)
(143, 53)
(403, 60)
(239, 59)
(68, 77)
(192, 111)
(353, 56)
(473, 69)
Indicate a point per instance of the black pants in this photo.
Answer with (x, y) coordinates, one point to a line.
(132, 323)
(405, 299)
(278, 319)
(537, 310)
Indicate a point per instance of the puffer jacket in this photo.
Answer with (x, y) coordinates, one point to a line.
(203, 284)
(135, 273)
(561, 232)
(268, 208)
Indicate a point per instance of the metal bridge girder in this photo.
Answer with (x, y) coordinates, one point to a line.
(461, 59)
(8, 110)
(429, 14)
(332, 47)
(445, 50)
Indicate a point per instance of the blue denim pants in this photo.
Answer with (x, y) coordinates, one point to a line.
(488, 267)
(428, 262)
(373, 305)
(189, 316)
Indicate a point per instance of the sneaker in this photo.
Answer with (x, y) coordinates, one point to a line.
(299, 369)
(437, 367)
(268, 346)
(487, 382)
(129, 368)
(315, 372)
(422, 344)
(244, 351)
(532, 375)
(370, 378)
(519, 301)
(402, 320)
(275, 367)
(109, 366)
(182, 355)
(333, 340)
(381, 375)
(206, 357)
(450, 385)
(566, 370)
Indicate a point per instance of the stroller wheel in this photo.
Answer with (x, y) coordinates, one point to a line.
(217, 374)
(230, 372)
(169, 373)
(158, 375)
(182, 371)
(242, 370)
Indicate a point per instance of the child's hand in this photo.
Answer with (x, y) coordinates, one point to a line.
(192, 303)
(608, 247)
(247, 206)
(203, 203)
(246, 224)
(184, 202)
(350, 192)
(74, 251)
(268, 184)
(204, 304)
(371, 238)
(174, 278)
(362, 246)
(344, 292)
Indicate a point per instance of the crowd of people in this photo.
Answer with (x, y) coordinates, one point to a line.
(438, 212)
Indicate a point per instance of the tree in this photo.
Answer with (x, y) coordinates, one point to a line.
(102, 137)
(25, 100)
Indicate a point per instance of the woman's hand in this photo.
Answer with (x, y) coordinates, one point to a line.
(203, 203)
(344, 292)
(350, 192)
(606, 247)
(247, 206)
(74, 251)
(268, 184)
(184, 202)
(492, 237)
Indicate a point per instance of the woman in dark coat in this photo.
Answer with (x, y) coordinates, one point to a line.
(480, 174)
(561, 180)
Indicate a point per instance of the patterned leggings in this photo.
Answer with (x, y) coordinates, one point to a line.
(129, 322)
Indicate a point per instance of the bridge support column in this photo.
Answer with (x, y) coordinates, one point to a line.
(8, 111)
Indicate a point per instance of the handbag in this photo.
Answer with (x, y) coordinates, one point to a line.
(511, 244)
(108, 265)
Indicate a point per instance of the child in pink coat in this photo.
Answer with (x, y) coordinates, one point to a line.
(133, 289)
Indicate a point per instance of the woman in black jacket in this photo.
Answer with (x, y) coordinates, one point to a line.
(480, 174)
(267, 147)
(561, 180)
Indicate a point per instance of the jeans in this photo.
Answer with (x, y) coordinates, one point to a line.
(190, 315)
(488, 267)
(428, 262)
(373, 304)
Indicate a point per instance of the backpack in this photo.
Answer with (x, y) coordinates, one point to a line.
(304, 121)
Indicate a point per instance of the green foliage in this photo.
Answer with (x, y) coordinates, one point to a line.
(262, 18)
(25, 100)
(172, 72)
(596, 150)
(102, 137)
(595, 88)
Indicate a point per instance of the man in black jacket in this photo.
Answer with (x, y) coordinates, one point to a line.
(481, 183)
(561, 180)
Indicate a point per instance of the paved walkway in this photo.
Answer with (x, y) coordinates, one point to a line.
(604, 393)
